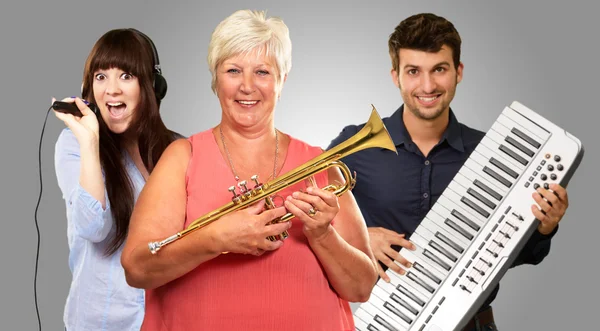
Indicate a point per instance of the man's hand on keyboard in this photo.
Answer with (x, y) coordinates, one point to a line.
(381, 243)
(551, 208)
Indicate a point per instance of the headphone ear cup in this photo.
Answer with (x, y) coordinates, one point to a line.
(160, 86)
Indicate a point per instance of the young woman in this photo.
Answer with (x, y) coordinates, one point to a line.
(102, 161)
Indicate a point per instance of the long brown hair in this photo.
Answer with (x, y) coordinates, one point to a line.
(126, 50)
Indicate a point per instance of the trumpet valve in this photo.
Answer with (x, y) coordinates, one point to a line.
(246, 193)
(255, 180)
(236, 197)
(258, 187)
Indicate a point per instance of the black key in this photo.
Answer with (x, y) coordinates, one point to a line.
(525, 137)
(397, 312)
(419, 281)
(556, 158)
(384, 323)
(443, 251)
(465, 220)
(413, 297)
(543, 177)
(475, 207)
(546, 186)
(371, 327)
(487, 190)
(404, 304)
(560, 167)
(550, 167)
(536, 186)
(481, 198)
(436, 259)
(497, 177)
(553, 176)
(504, 168)
(458, 229)
(519, 146)
(427, 273)
(512, 154)
(449, 242)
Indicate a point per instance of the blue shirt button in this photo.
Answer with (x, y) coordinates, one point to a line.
(425, 195)
(426, 162)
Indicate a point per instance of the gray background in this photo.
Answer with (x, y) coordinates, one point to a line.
(545, 56)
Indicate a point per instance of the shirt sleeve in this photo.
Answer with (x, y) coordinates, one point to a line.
(346, 133)
(84, 213)
(536, 249)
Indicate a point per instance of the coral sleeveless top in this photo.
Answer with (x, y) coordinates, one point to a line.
(286, 289)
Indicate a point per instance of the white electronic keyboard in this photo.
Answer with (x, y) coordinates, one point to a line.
(476, 228)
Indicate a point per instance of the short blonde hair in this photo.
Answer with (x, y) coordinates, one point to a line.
(246, 30)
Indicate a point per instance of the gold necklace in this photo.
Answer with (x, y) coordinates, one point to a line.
(235, 175)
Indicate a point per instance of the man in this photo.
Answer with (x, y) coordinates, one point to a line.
(395, 192)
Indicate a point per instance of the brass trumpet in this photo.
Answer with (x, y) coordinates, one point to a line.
(373, 134)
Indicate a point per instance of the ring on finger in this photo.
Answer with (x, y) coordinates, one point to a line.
(312, 211)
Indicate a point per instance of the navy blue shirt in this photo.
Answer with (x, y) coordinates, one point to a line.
(397, 191)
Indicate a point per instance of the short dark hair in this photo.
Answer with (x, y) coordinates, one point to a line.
(424, 32)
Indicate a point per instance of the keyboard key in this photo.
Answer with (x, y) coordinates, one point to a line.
(519, 146)
(525, 137)
(514, 155)
(504, 168)
(487, 189)
(497, 177)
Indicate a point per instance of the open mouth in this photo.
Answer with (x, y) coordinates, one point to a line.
(116, 109)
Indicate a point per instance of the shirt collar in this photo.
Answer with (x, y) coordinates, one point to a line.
(397, 129)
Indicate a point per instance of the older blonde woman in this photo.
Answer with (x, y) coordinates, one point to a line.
(301, 283)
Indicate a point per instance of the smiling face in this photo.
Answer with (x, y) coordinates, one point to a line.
(427, 81)
(117, 94)
(247, 87)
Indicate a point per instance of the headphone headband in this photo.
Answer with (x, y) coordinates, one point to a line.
(155, 59)
(160, 84)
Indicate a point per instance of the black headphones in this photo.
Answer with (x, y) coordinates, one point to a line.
(159, 83)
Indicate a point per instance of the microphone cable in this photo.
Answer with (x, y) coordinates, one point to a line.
(37, 227)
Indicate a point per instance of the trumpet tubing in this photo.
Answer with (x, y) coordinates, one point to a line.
(373, 134)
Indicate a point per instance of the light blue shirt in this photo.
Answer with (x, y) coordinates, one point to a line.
(99, 297)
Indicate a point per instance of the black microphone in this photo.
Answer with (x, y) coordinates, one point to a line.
(71, 108)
